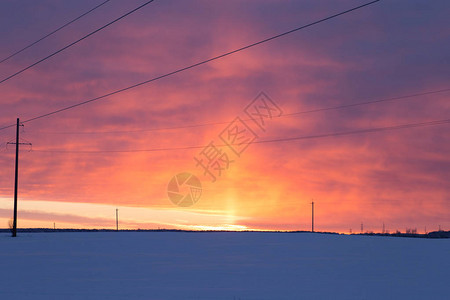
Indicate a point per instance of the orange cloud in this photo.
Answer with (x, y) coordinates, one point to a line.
(396, 177)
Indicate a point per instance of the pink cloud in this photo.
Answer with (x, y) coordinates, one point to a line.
(378, 176)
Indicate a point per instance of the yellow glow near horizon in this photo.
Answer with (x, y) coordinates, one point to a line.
(226, 227)
(86, 215)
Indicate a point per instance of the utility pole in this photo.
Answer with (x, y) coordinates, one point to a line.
(117, 219)
(16, 177)
(312, 216)
(362, 227)
(383, 228)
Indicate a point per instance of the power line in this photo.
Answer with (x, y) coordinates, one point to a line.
(307, 137)
(77, 41)
(53, 32)
(370, 102)
(194, 65)
(294, 114)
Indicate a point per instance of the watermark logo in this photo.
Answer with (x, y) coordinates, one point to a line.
(262, 109)
(238, 136)
(184, 189)
(214, 159)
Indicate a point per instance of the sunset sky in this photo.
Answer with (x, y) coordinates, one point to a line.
(84, 162)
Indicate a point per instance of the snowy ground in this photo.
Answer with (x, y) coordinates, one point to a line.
(184, 265)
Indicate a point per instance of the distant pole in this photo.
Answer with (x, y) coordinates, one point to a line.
(312, 216)
(439, 227)
(117, 219)
(383, 228)
(54, 226)
(362, 227)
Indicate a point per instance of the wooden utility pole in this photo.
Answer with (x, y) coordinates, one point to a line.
(312, 216)
(16, 183)
(16, 177)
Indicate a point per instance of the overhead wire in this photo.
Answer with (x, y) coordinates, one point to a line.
(194, 65)
(307, 137)
(53, 32)
(404, 97)
(75, 42)
(293, 114)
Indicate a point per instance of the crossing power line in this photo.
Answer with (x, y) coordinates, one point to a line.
(187, 67)
(288, 139)
(53, 32)
(293, 114)
(76, 42)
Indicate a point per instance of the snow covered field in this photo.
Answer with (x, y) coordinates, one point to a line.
(221, 265)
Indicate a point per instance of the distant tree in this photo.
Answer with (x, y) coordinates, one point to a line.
(11, 224)
(411, 230)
